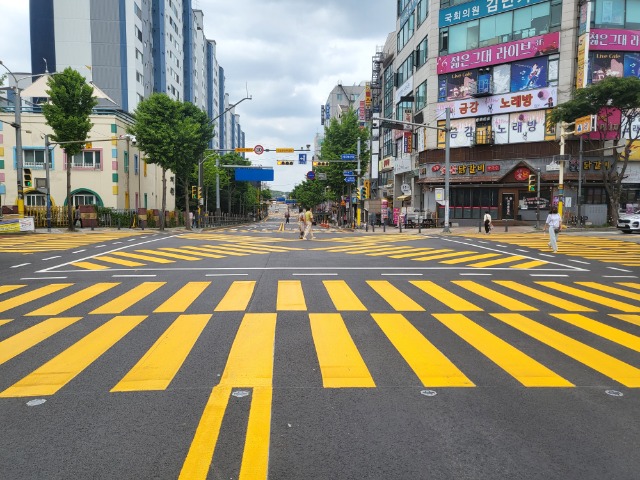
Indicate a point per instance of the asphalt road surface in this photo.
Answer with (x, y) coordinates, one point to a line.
(248, 353)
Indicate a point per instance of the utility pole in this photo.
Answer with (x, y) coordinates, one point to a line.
(47, 161)
(447, 159)
(538, 202)
(358, 173)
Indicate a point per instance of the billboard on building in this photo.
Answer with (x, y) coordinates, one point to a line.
(478, 9)
(529, 74)
(606, 64)
(627, 40)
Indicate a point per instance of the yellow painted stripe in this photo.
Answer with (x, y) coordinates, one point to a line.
(255, 458)
(394, 297)
(159, 365)
(592, 297)
(126, 300)
(417, 254)
(89, 266)
(197, 253)
(196, 465)
(431, 366)
(340, 362)
(610, 289)
(498, 261)
(290, 295)
(531, 264)
(183, 298)
(544, 297)
(202, 252)
(520, 366)
(60, 370)
(602, 330)
(119, 261)
(32, 295)
(26, 339)
(250, 364)
(3, 322)
(443, 255)
(237, 297)
(468, 259)
(73, 300)
(633, 319)
(597, 360)
(143, 257)
(9, 288)
(168, 255)
(496, 297)
(342, 296)
(444, 295)
(630, 285)
(223, 251)
(400, 252)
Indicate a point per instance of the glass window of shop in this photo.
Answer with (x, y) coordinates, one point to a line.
(633, 15)
(471, 202)
(387, 142)
(422, 11)
(406, 32)
(506, 27)
(608, 13)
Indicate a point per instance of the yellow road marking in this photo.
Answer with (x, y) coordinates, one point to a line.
(126, 300)
(444, 255)
(63, 368)
(143, 257)
(342, 296)
(499, 261)
(630, 285)
(169, 255)
(32, 295)
(118, 261)
(159, 365)
(496, 297)
(602, 330)
(544, 297)
(608, 302)
(90, 266)
(250, 364)
(183, 298)
(197, 254)
(431, 252)
(394, 297)
(340, 362)
(400, 252)
(633, 319)
(609, 289)
(221, 250)
(9, 288)
(520, 366)
(531, 264)
(468, 259)
(431, 366)
(443, 295)
(3, 322)
(237, 297)
(290, 296)
(601, 362)
(73, 300)
(26, 339)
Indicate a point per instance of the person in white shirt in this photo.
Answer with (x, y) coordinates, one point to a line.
(553, 224)
(487, 222)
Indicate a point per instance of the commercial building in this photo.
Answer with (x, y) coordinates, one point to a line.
(499, 68)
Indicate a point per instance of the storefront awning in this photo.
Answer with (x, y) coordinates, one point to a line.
(403, 197)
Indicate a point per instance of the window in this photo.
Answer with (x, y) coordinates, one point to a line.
(609, 12)
(595, 195)
(136, 166)
(89, 159)
(495, 29)
(139, 78)
(406, 32)
(139, 56)
(633, 14)
(126, 162)
(137, 11)
(138, 33)
(405, 71)
(35, 200)
(84, 199)
(33, 158)
(421, 96)
(422, 52)
(422, 10)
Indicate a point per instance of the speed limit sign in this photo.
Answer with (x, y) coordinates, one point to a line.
(258, 149)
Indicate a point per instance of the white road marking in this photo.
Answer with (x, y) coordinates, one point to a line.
(547, 275)
(43, 278)
(619, 269)
(51, 258)
(21, 265)
(134, 276)
(80, 251)
(579, 261)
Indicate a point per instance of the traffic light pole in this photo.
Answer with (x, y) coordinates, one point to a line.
(538, 202)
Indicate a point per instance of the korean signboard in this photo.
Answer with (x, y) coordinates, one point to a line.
(479, 8)
(615, 40)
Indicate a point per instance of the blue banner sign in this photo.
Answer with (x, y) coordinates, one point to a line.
(348, 156)
(302, 159)
(347, 173)
(254, 175)
(350, 179)
(478, 9)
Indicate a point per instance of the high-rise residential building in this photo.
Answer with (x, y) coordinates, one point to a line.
(499, 68)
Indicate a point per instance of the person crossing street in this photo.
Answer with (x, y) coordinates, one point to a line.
(308, 223)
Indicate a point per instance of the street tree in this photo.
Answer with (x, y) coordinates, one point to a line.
(309, 193)
(71, 102)
(616, 102)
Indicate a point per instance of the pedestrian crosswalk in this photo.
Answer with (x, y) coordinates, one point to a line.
(57, 242)
(432, 327)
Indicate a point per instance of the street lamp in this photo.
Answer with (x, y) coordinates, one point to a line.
(17, 125)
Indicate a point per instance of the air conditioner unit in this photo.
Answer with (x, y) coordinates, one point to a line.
(41, 183)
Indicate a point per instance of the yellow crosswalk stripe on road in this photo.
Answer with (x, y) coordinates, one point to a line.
(128, 299)
(445, 296)
(168, 255)
(89, 266)
(340, 361)
(498, 261)
(605, 331)
(468, 259)
(342, 296)
(118, 261)
(505, 301)
(398, 300)
(593, 297)
(9, 288)
(146, 258)
(32, 295)
(56, 373)
(183, 298)
(630, 318)
(519, 365)
(544, 296)
(610, 289)
(4, 322)
(74, 299)
(237, 297)
(609, 366)
(159, 365)
(24, 340)
(430, 365)
(290, 296)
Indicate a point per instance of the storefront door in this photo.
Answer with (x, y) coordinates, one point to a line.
(508, 205)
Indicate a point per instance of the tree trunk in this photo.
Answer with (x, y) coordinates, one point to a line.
(187, 222)
(70, 219)
(164, 198)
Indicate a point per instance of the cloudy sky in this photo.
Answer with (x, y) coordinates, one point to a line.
(288, 55)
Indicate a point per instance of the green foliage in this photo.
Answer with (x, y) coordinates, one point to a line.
(309, 193)
(67, 113)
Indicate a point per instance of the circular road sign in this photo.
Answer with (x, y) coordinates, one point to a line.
(311, 175)
(258, 149)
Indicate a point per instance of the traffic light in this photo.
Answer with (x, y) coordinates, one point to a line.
(367, 189)
(199, 192)
(532, 183)
(358, 194)
(27, 177)
(320, 164)
(194, 191)
(285, 162)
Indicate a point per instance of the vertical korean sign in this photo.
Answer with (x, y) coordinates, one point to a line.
(582, 68)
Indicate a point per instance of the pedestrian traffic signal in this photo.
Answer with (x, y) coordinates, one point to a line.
(320, 164)
(532, 183)
(285, 162)
(367, 189)
(27, 177)
(194, 191)
(199, 192)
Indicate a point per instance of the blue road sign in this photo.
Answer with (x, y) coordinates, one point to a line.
(311, 175)
(348, 156)
(350, 179)
(347, 173)
(302, 159)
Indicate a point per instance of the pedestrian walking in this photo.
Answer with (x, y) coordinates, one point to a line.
(286, 216)
(553, 224)
(487, 223)
(301, 220)
(77, 218)
(308, 223)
